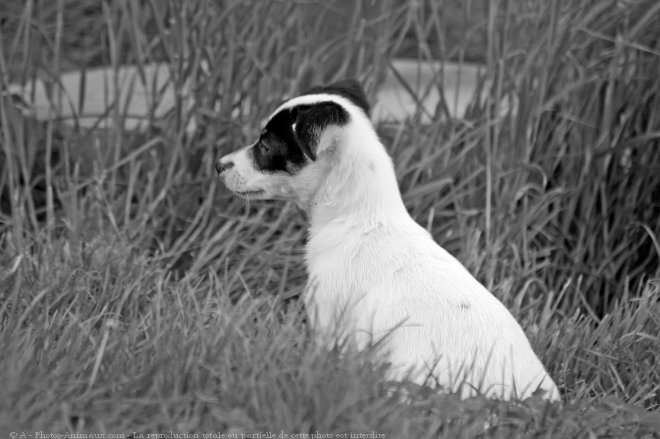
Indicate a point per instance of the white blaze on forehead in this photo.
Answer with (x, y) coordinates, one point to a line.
(317, 99)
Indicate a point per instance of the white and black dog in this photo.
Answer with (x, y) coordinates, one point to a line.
(374, 273)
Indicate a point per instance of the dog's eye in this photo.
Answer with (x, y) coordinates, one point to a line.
(263, 147)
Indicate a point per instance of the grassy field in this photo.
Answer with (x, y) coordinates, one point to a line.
(138, 297)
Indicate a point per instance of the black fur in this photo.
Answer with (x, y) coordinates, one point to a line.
(280, 148)
(311, 120)
(348, 88)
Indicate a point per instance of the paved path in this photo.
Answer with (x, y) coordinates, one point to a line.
(394, 101)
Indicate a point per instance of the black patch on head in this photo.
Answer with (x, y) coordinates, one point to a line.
(311, 120)
(349, 89)
(283, 148)
(277, 149)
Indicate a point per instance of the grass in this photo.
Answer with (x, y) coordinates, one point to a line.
(137, 296)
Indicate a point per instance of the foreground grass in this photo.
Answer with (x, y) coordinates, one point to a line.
(106, 340)
(137, 297)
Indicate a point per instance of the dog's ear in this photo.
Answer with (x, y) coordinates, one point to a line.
(351, 89)
(309, 122)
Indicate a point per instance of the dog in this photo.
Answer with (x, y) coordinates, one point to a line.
(376, 277)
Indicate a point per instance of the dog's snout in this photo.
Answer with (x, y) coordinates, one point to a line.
(221, 166)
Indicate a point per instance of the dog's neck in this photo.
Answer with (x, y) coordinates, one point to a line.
(360, 189)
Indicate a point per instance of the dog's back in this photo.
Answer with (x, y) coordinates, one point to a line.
(396, 282)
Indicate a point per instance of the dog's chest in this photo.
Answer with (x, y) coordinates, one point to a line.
(334, 283)
(345, 270)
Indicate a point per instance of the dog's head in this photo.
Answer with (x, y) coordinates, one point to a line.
(295, 147)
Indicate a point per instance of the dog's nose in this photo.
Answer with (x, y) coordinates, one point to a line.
(220, 167)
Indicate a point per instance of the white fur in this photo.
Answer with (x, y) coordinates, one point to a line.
(375, 274)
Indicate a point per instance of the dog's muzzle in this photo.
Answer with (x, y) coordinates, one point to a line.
(220, 167)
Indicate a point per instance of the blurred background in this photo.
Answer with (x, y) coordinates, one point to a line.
(525, 133)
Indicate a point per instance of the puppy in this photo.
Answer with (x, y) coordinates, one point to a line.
(375, 275)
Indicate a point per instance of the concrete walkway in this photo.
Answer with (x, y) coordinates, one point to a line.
(423, 81)
(395, 100)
